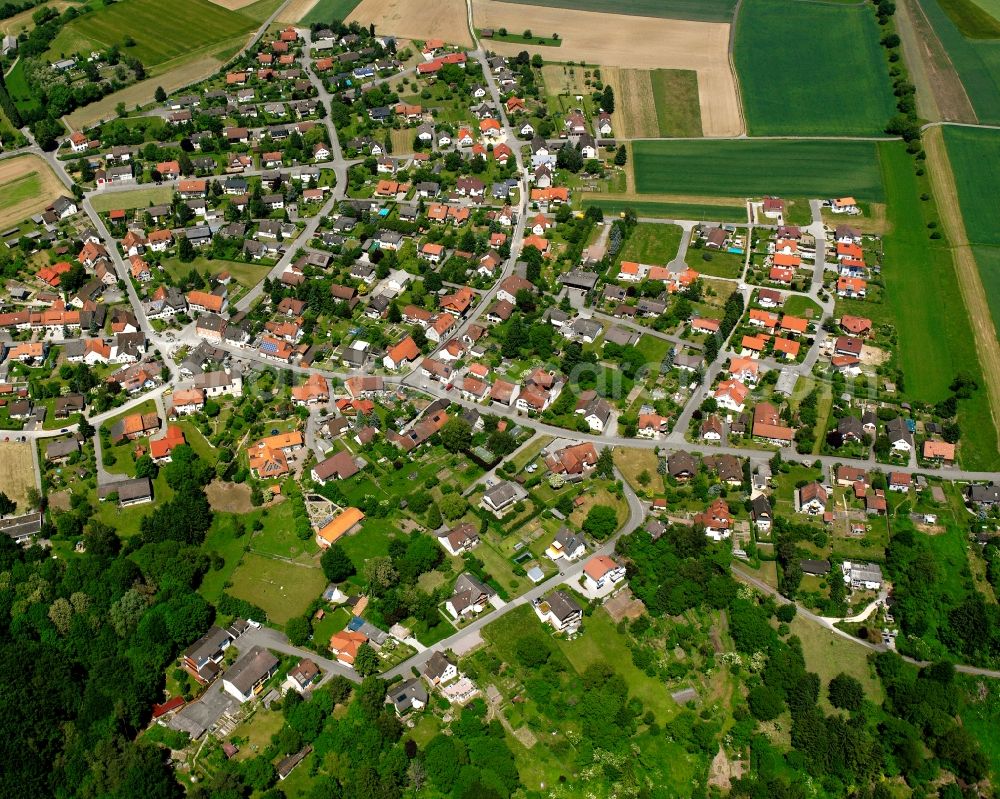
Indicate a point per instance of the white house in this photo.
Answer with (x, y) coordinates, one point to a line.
(601, 572)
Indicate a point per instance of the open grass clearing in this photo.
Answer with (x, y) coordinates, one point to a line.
(228, 537)
(282, 589)
(652, 243)
(278, 538)
(632, 462)
(853, 75)
(828, 654)
(753, 168)
(27, 186)
(127, 200)
(602, 643)
(246, 274)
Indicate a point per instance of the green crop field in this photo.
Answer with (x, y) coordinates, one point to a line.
(706, 213)
(975, 160)
(976, 19)
(702, 10)
(206, 25)
(977, 62)
(975, 157)
(926, 308)
(804, 168)
(329, 10)
(848, 92)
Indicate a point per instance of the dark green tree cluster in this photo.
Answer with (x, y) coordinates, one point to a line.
(678, 571)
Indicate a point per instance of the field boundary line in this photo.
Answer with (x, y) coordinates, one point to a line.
(731, 59)
(970, 283)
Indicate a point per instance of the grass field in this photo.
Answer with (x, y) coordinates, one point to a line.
(828, 654)
(849, 94)
(977, 62)
(652, 243)
(140, 198)
(666, 210)
(601, 642)
(675, 96)
(17, 88)
(17, 472)
(329, 10)
(27, 186)
(243, 273)
(926, 307)
(206, 25)
(704, 10)
(804, 168)
(282, 589)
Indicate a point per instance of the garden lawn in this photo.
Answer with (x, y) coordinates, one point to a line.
(849, 92)
(828, 654)
(753, 168)
(652, 243)
(926, 306)
(670, 210)
(284, 590)
(703, 10)
(206, 25)
(601, 642)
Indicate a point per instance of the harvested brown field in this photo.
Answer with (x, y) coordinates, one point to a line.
(229, 497)
(27, 186)
(17, 472)
(940, 92)
(142, 92)
(233, 5)
(402, 140)
(296, 10)
(969, 281)
(431, 19)
(635, 107)
(633, 42)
